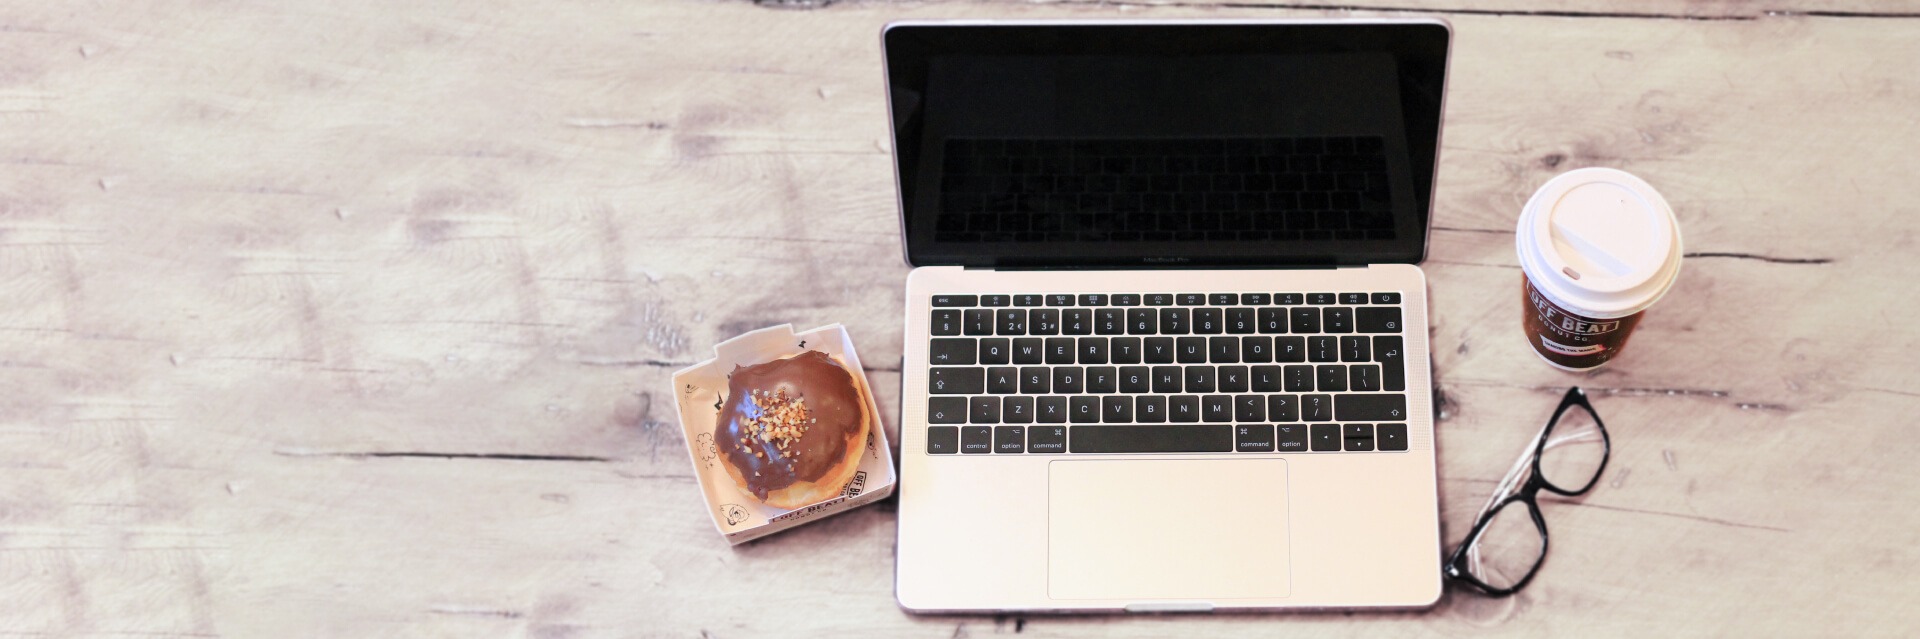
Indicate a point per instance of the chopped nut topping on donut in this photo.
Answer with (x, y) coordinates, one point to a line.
(782, 420)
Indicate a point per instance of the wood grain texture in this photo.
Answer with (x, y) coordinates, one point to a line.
(356, 319)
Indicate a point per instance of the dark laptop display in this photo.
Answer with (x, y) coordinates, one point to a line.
(1149, 145)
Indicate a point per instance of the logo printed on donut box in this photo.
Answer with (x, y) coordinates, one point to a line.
(1553, 317)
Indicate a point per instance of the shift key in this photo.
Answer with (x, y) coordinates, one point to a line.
(1370, 407)
(962, 381)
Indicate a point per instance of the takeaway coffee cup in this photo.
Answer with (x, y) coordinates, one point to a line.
(1597, 248)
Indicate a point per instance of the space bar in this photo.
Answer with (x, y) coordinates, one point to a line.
(1191, 438)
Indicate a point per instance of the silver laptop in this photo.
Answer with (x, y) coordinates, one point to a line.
(1166, 345)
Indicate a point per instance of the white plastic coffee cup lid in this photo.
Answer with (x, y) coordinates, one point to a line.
(1600, 242)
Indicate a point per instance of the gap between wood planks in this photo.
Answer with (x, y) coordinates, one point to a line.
(442, 455)
(805, 5)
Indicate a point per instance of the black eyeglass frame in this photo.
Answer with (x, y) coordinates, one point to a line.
(1456, 566)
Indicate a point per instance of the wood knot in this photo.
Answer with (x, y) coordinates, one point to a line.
(1552, 160)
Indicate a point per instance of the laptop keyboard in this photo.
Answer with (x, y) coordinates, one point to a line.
(1150, 190)
(1166, 373)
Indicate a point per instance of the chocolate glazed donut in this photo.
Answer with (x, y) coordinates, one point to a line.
(792, 430)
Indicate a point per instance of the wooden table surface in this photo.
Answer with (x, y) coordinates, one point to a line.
(356, 318)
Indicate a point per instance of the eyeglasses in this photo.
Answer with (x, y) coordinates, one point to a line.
(1508, 543)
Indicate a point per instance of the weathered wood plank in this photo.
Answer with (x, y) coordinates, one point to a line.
(357, 319)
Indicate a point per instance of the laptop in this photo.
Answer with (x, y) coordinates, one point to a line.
(1166, 342)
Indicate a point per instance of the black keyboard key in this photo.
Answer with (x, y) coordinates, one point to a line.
(1093, 350)
(1370, 407)
(1116, 410)
(1213, 438)
(956, 351)
(1076, 321)
(1184, 409)
(1320, 299)
(1150, 409)
(1299, 379)
(1175, 321)
(1290, 438)
(1355, 349)
(1069, 379)
(976, 439)
(1359, 437)
(1364, 377)
(1109, 321)
(1377, 319)
(1326, 437)
(1338, 319)
(1029, 350)
(1028, 299)
(1103, 379)
(1191, 350)
(1135, 379)
(1158, 299)
(1272, 320)
(1126, 299)
(1232, 379)
(1289, 349)
(1166, 379)
(1332, 378)
(1003, 380)
(1051, 409)
(1289, 299)
(1223, 350)
(983, 410)
(1047, 439)
(1353, 298)
(1323, 349)
(1192, 299)
(1250, 408)
(995, 300)
(1256, 299)
(1305, 320)
(1012, 321)
(1393, 370)
(1035, 380)
(996, 350)
(957, 381)
(1283, 408)
(1199, 379)
(946, 321)
(1216, 408)
(1264, 379)
(956, 300)
(1241, 321)
(979, 322)
(946, 410)
(1206, 321)
(1058, 299)
(943, 440)
(1317, 408)
(1084, 409)
(1157, 350)
(1392, 436)
(1142, 321)
(1253, 438)
(1386, 298)
(1256, 350)
(1223, 299)
(1043, 321)
(1124, 350)
(1059, 350)
(1017, 410)
(1093, 299)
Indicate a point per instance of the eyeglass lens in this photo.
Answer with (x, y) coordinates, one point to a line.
(1574, 452)
(1508, 548)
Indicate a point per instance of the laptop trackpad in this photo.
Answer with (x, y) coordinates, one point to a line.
(1167, 529)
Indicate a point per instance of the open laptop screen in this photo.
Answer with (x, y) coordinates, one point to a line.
(1165, 144)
